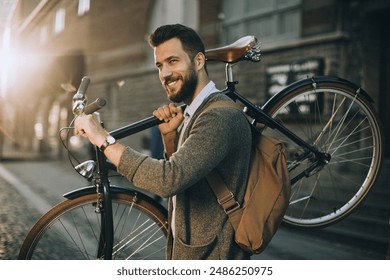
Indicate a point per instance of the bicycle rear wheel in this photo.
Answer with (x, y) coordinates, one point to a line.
(71, 230)
(338, 119)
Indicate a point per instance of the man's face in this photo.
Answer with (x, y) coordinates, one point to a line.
(176, 71)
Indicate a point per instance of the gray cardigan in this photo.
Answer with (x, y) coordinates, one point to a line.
(221, 139)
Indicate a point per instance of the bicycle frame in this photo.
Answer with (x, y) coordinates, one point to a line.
(255, 112)
(107, 234)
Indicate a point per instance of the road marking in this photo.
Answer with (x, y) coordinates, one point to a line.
(25, 190)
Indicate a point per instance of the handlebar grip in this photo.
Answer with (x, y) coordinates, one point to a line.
(79, 97)
(94, 106)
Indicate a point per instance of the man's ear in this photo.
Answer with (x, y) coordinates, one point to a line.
(199, 60)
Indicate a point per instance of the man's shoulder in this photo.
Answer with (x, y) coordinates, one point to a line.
(217, 96)
(221, 112)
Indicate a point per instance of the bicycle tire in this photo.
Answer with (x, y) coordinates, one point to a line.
(70, 230)
(336, 117)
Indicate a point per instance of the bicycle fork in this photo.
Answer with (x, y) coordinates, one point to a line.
(104, 209)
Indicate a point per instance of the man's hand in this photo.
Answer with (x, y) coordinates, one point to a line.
(89, 126)
(172, 117)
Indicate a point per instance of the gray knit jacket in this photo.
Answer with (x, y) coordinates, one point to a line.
(221, 139)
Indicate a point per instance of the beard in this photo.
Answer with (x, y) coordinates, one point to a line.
(187, 90)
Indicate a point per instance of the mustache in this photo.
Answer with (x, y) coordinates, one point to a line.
(170, 79)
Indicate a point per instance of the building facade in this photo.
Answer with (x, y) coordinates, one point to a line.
(56, 42)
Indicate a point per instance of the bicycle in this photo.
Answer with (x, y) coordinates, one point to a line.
(334, 154)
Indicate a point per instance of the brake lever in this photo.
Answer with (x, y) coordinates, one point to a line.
(79, 100)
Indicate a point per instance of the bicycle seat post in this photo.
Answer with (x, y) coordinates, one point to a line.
(229, 72)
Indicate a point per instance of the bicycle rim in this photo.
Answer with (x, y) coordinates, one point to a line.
(71, 230)
(339, 121)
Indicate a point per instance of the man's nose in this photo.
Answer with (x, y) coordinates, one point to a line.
(165, 72)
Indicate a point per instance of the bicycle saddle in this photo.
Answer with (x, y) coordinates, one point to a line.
(244, 48)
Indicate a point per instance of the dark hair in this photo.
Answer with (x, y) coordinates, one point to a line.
(190, 40)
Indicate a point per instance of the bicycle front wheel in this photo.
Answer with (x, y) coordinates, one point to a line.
(337, 118)
(71, 230)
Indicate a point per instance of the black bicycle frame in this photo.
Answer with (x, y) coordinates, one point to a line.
(106, 238)
(256, 113)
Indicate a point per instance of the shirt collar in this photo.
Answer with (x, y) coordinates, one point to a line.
(204, 93)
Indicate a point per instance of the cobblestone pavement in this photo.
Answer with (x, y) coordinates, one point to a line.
(16, 218)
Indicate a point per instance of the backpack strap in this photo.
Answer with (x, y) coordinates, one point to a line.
(222, 104)
(224, 196)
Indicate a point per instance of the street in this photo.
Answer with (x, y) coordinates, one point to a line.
(28, 188)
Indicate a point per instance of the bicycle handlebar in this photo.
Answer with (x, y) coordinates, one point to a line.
(79, 101)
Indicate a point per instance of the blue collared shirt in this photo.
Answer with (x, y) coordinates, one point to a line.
(204, 93)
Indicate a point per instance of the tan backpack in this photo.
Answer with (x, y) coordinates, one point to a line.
(267, 192)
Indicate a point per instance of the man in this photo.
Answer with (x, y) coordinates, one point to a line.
(220, 139)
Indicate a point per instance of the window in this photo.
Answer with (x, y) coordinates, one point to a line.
(268, 20)
(83, 8)
(59, 21)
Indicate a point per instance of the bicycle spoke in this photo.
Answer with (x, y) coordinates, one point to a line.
(84, 253)
(79, 234)
(145, 245)
(330, 121)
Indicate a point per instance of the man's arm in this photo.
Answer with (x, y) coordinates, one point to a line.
(88, 126)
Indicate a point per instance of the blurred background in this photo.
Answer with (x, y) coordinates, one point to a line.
(47, 46)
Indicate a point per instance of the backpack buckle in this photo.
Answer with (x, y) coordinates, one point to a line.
(225, 199)
(233, 208)
(229, 208)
